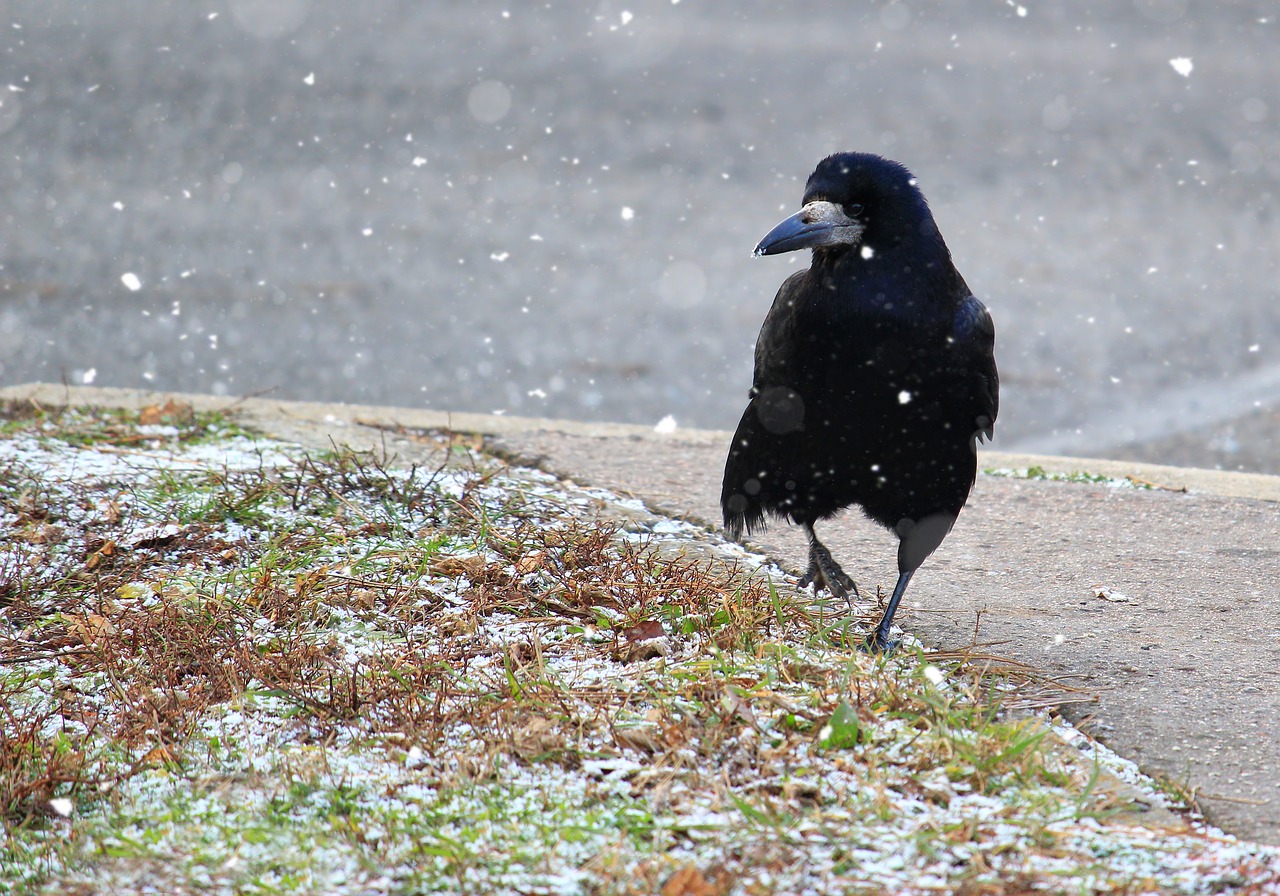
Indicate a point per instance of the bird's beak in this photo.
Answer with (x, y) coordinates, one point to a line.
(816, 225)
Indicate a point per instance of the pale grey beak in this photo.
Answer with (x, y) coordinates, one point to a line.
(816, 225)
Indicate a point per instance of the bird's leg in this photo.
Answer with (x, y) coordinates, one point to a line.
(879, 640)
(823, 570)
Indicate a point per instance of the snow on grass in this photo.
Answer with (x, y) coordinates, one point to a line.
(1036, 472)
(230, 664)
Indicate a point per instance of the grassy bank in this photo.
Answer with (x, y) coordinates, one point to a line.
(232, 664)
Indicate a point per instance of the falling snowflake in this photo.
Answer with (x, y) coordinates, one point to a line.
(1182, 65)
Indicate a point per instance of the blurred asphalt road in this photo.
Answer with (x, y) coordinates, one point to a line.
(549, 211)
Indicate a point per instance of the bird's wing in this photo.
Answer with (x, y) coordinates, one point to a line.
(974, 334)
(776, 345)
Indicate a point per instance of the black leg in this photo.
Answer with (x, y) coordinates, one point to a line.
(879, 640)
(824, 572)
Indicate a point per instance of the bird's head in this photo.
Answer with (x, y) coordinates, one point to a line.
(853, 199)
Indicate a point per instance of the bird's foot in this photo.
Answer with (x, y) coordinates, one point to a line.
(880, 642)
(825, 574)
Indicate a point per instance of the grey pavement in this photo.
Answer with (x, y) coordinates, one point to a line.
(1183, 655)
(549, 209)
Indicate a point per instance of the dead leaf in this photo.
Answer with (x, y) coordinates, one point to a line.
(531, 562)
(645, 631)
(585, 594)
(89, 628)
(169, 412)
(156, 536)
(452, 626)
(106, 549)
(536, 737)
(733, 705)
(648, 649)
(454, 567)
(688, 881)
(494, 575)
(646, 739)
(159, 755)
(44, 533)
(98, 552)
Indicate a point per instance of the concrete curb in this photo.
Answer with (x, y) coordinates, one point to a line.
(1189, 479)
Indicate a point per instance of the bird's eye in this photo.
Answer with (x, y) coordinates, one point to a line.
(853, 209)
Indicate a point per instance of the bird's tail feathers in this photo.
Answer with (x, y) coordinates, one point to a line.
(750, 520)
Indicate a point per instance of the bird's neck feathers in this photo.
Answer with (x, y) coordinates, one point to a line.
(914, 252)
(918, 265)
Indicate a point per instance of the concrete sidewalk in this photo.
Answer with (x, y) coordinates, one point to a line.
(1183, 652)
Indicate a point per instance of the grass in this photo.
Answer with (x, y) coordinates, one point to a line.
(170, 422)
(230, 665)
(1040, 473)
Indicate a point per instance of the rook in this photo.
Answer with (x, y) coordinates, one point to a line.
(874, 376)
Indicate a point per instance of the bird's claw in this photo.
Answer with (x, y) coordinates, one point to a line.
(846, 582)
(832, 579)
(824, 574)
(880, 642)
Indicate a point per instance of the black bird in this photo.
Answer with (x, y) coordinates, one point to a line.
(875, 376)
